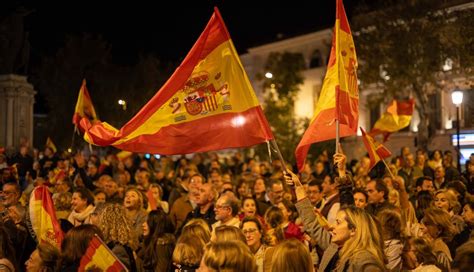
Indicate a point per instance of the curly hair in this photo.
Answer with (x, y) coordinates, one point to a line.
(114, 224)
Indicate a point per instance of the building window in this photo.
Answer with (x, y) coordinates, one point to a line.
(316, 59)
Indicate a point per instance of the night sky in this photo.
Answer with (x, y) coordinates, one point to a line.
(170, 30)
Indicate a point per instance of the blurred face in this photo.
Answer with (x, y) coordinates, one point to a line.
(33, 264)
(468, 215)
(340, 231)
(131, 200)
(314, 194)
(194, 184)
(427, 186)
(222, 210)
(284, 211)
(374, 195)
(10, 195)
(259, 186)
(145, 228)
(216, 179)
(249, 208)
(110, 187)
(243, 189)
(61, 187)
(441, 201)
(252, 235)
(420, 159)
(204, 194)
(328, 188)
(77, 203)
(319, 167)
(99, 198)
(142, 178)
(360, 200)
(276, 194)
(439, 173)
(410, 160)
(155, 191)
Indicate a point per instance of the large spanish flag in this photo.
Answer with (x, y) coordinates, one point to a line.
(377, 151)
(84, 106)
(397, 117)
(207, 104)
(339, 98)
(99, 257)
(43, 217)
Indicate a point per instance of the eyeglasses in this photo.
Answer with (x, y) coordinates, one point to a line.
(249, 231)
(218, 207)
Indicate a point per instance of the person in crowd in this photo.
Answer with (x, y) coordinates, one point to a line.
(74, 246)
(8, 259)
(464, 256)
(118, 234)
(451, 172)
(111, 190)
(377, 191)
(243, 189)
(254, 235)
(446, 200)
(229, 256)
(424, 200)
(439, 181)
(197, 228)
(134, 211)
(158, 244)
(82, 205)
(274, 220)
(188, 253)
(421, 169)
(62, 204)
(436, 160)
(227, 233)
(292, 256)
(407, 171)
(391, 223)
(44, 259)
(332, 202)
(418, 256)
(288, 224)
(355, 241)
(99, 197)
(157, 193)
(259, 188)
(360, 198)
(11, 193)
(315, 192)
(205, 205)
(226, 209)
(436, 226)
(187, 202)
(274, 192)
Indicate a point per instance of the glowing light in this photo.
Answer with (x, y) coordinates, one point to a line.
(268, 75)
(238, 121)
(457, 96)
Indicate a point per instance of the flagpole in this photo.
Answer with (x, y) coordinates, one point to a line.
(73, 135)
(283, 163)
(388, 168)
(337, 135)
(110, 251)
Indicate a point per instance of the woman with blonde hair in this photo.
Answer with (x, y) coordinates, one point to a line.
(197, 228)
(228, 233)
(134, 211)
(354, 242)
(188, 253)
(447, 200)
(437, 228)
(118, 235)
(291, 255)
(228, 256)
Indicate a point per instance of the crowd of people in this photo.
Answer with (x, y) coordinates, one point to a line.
(206, 213)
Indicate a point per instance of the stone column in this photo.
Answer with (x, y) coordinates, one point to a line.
(16, 110)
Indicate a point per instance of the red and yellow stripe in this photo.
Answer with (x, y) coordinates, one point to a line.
(377, 151)
(339, 97)
(207, 104)
(397, 117)
(84, 107)
(98, 256)
(43, 217)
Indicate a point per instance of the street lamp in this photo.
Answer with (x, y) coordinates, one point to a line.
(123, 103)
(457, 96)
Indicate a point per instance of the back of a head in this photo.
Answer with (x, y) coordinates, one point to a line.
(391, 223)
(188, 252)
(49, 255)
(464, 257)
(291, 255)
(229, 233)
(229, 256)
(76, 242)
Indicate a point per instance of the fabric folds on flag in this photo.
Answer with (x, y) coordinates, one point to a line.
(50, 144)
(207, 104)
(397, 117)
(339, 97)
(84, 106)
(43, 219)
(377, 151)
(98, 256)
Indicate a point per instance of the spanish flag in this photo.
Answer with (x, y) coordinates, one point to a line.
(98, 257)
(377, 152)
(43, 217)
(207, 104)
(84, 106)
(122, 155)
(50, 144)
(397, 117)
(339, 98)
